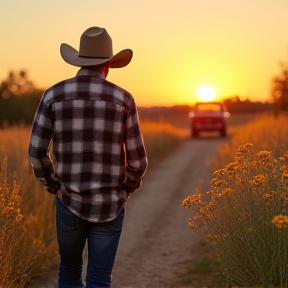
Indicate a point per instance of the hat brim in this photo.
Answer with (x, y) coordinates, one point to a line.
(70, 55)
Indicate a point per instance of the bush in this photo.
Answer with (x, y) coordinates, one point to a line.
(246, 218)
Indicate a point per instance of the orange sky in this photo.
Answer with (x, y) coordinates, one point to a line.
(233, 46)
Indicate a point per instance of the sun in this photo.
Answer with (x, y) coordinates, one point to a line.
(206, 93)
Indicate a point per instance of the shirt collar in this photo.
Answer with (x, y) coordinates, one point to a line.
(89, 72)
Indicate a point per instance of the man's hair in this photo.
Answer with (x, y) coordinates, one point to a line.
(96, 67)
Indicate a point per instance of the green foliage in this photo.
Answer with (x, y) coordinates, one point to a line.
(19, 99)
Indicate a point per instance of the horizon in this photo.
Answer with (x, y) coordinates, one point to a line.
(179, 46)
(266, 102)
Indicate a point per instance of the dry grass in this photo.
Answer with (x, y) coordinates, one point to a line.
(33, 248)
(265, 132)
(161, 138)
(14, 270)
(27, 221)
(245, 219)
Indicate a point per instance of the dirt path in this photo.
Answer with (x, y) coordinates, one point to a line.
(156, 241)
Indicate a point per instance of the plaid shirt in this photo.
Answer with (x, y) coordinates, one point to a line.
(98, 149)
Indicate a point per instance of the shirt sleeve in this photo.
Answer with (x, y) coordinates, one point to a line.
(41, 135)
(135, 152)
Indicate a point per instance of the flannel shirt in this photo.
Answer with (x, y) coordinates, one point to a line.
(98, 149)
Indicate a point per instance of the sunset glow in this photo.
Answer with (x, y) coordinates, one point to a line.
(206, 93)
(171, 59)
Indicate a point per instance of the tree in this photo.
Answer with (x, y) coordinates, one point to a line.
(16, 84)
(280, 90)
(19, 98)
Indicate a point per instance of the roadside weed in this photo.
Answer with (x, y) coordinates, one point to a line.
(246, 218)
(16, 260)
(28, 246)
(266, 132)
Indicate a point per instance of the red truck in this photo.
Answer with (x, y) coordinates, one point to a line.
(209, 116)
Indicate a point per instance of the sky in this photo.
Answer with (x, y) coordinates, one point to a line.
(232, 46)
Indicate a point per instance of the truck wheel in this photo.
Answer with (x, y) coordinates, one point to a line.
(195, 133)
(223, 132)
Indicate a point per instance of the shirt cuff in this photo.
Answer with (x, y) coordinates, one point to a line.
(51, 185)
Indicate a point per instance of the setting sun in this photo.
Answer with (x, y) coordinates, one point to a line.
(206, 93)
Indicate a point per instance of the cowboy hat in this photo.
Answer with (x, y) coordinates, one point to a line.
(95, 49)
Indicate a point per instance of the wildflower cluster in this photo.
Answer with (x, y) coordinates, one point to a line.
(17, 247)
(26, 214)
(280, 221)
(10, 216)
(247, 209)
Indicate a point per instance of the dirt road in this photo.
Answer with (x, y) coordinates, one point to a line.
(156, 241)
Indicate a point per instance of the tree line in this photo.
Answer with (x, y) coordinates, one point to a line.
(19, 98)
(280, 89)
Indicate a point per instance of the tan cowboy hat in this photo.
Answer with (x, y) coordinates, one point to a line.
(95, 49)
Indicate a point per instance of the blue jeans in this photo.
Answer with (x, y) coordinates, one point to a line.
(103, 240)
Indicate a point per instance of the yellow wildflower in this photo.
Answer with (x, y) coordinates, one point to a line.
(8, 209)
(239, 159)
(216, 183)
(280, 221)
(284, 168)
(206, 211)
(219, 172)
(245, 148)
(264, 154)
(202, 210)
(258, 180)
(253, 165)
(232, 166)
(191, 223)
(228, 192)
(192, 200)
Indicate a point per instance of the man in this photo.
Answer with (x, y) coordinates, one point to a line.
(99, 157)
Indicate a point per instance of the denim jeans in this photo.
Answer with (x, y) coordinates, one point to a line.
(102, 239)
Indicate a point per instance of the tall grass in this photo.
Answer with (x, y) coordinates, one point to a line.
(12, 269)
(245, 218)
(265, 132)
(28, 245)
(161, 138)
(35, 233)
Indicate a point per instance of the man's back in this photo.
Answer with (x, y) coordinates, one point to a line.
(94, 123)
(99, 157)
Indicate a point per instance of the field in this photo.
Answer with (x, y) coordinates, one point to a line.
(243, 216)
(29, 214)
(27, 211)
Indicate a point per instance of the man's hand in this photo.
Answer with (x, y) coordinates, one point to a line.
(59, 194)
